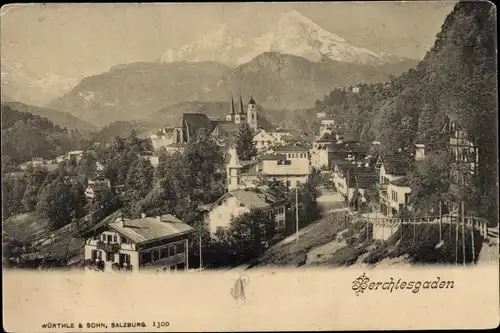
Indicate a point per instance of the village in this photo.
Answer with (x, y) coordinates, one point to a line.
(352, 178)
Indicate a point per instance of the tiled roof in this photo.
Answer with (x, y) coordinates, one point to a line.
(256, 198)
(148, 229)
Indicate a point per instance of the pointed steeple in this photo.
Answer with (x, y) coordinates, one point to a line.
(241, 106)
(232, 106)
(234, 161)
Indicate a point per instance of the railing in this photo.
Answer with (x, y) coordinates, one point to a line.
(121, 267)
(94, 264)
(469, 221)
(168, 261)
(114, 247)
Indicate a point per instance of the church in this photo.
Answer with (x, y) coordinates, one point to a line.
(223, 131)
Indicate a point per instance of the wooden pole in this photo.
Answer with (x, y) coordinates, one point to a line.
(463, 233)
(187, 254)
(440, 222)
(201, 259)
(472, 241)
(297, 214)
(456, 240)
(414, 229)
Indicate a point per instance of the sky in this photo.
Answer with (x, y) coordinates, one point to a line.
(84, 39)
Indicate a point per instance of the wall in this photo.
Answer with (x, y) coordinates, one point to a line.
(221, 214)
(401, 192)
(263, 140)
(91, 244)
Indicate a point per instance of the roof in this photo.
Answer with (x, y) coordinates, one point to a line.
(328, 118)
(257, 198)
(228, 127)
(397, 165)
(251, 100)
(362, 180)
(149, 229)
(402, 182)
(198, 121)
(290, 147)
(99, 187)
(177, 145)
(328, 137)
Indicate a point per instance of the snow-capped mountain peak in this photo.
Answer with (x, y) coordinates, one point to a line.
(293, 34)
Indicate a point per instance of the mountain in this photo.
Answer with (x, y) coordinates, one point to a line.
(131, 91)
(276, 80)
(21, 84)
(63, 119)
(279, 80)
(292, 34)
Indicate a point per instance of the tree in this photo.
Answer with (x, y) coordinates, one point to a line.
(249, 232)
(245, 147)
(429, 180)
(56, 202)
(139, 181)
(34, 181)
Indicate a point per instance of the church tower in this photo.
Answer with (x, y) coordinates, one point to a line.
(252, 114)
(233, 170)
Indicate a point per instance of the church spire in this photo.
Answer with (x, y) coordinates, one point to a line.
(241, 106)
(232, 106)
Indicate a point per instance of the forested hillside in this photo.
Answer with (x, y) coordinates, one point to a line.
(457, 75)
(25, 135)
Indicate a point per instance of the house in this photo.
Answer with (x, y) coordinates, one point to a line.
(293, 152)
(320, 115)
(346, 151)
(175, 147)
(95, 191)
(165, 137)
(75, 155)
(287, 135)
(292, 172)
(240, 201)
(398, 192)
(392, 167)
(37, 161)
(351, 176)
(194, 124)
(326, 124)
(464, 153)
(153, 159)
(264, 140)
(321, 147)
(148, 243)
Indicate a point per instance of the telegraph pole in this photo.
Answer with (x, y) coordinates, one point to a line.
(297, 214)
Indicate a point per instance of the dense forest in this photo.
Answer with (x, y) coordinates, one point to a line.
(457, 76)
(25, 135)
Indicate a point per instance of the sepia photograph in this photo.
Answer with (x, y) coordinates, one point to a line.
(185, 139)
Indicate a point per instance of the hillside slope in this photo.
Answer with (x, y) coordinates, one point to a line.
(63, 119)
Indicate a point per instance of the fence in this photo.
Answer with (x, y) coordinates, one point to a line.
(473, 231)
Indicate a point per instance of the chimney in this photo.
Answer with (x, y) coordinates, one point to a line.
(419, 152)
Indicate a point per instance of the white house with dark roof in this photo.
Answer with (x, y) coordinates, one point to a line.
(398, 192)
(264, 140)
(147, 243)
(238, 202)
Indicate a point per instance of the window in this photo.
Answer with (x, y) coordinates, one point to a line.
(110, 239)
(115, 239)
(163, 253)
(180, 248)
(124, 258)
(171, 251)
(146, 257)
(156, 254)
(99, 255)
(94, 254)
(103, 238)
(229, 182)
(110, 256)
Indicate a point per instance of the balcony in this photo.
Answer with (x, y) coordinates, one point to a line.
(114, 247)
(381, 186)
(94, 264)
(121, 268)
(169, 261)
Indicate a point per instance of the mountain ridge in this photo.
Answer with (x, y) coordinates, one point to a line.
(293, 34)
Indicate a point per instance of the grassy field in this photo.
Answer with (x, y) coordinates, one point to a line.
(288, 253)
